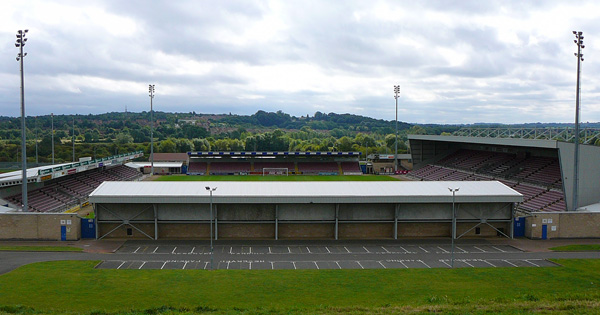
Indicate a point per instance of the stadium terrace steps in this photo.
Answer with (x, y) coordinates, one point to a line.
(68, 190)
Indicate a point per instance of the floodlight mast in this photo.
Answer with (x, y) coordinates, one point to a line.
(579, 42)
(20, 56)
(210, 190)
(453, 191)
(397, 94)
(151, 90)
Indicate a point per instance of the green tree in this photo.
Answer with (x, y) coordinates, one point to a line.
(167, 146)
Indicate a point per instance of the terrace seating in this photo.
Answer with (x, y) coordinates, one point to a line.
(68, 190)
(197, 168)
(351, 168)
(317, 167)
(259, 166)
(229, 167)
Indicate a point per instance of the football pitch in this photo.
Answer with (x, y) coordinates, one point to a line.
(291, 178)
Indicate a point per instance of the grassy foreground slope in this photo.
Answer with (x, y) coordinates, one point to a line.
(257, 178)
(75, 286)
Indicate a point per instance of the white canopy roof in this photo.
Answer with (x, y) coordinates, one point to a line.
(304, 192)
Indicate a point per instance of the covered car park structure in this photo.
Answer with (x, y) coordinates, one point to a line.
(302, 210)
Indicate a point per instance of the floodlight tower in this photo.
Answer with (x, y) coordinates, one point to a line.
(453, 191)
(52, 128)
(397, 92)
(20, 56)
(151, 90)
(210, 190)
(579, 42)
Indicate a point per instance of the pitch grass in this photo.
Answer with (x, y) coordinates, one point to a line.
(75, 286)
(292, 178)
(26, 248)
(578, 248)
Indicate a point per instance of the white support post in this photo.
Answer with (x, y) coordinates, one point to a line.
(337, 211)
(96, 220)
(276, 222)
(216, 229)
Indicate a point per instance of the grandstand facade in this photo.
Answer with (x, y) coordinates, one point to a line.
(541, 170)
(307, 163)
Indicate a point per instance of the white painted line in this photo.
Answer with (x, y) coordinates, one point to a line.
(142, 265)
(423, 249)
(327, 249)
(316, 265)
(231, 249)
(193, 250)
(270, 252)
(361, 266)
(447, 264)
(387, 251)
(205, 265)
(289, 250)
(228, 265)
(135, 251)
(250, 250)
(508, 262)
(466, 262)
(382, 265)
(464, 251)
(346, 249)
(531, 262)
(155, 250)
(338, 264)
(479, 249)
(185, 264)
(426, 265)
(121, 265)
(163, 266)
(366, 249)
(403, 264)
(489, 263)
(173, 252)
(496, 248)
(294, 263)
(271, 263)
(445, 251)
(250, 263)
(308, 249)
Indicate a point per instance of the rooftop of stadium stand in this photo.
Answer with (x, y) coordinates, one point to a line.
(304, 192)
(270, 153)
(156, 164)
(517, 142)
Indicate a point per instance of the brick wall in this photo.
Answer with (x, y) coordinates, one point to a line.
(39, 226)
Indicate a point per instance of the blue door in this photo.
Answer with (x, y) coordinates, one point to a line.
(63, 233)
(88, 228)
(544, 232)
(519, 227)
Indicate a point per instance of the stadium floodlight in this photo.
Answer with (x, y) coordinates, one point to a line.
(151, 90)
(579, 55)
(210, 190)
(453, 190)
(52, 128)
(397, 94)
(20, 56)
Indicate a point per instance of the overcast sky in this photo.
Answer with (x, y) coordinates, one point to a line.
(456, 61)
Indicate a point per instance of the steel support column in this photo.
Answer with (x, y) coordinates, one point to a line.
(396, 209)
(155, 221)
(96, 220)
(512, 221)
(216, 228)
(276, 222)
(337, 212)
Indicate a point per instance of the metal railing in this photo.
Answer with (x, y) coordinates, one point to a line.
(567, 134)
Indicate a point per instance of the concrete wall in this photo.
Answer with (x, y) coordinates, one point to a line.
(589, 176)
(39, 226)
(563, 225)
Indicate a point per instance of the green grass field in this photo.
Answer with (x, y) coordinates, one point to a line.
(76, 287)
(257, 178)
(41, 248)
(577, 248)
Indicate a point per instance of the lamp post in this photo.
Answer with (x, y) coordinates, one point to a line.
(20, 56)
(579, 42)
(36, 142)
(151, 90)
(453, 190)
(210, 190)
(397, 92)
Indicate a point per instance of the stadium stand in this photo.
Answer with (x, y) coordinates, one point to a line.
(229, 168)
(318, 168)
(62, 192)
(537, 178)
(350, 168)
(259, 166)
(197, 168)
